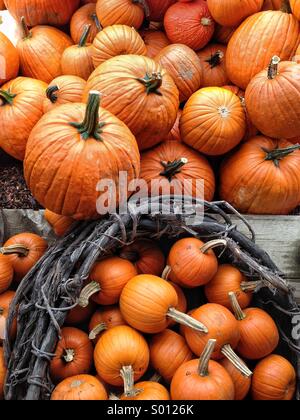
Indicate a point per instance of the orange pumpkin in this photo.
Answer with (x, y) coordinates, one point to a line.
(126, 12)
(213, 121)
(85, 15)
(9, 60)
(147, 390)
(158, 8)
(79, 387)
(116, 40)
(241, 382)
(233, 12)
(174, 134)
(295, 6)
(212, 60)
(104, 319)
(155, 41)
(5, 302)
(2, 373)
(6, 273)
(182, 301)
(135, 89)
(223, 34)
(60, 224)
(21, 107)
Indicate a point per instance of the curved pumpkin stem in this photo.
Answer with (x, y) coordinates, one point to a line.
(127, 375)
(205, 357)
(21, 250)
(239, 314)
(277, 154)
(273, 67)
(152, 83)
(26, 32)
(7, 97)
(213, 244)
(69, 355)
(144, 5)
(251, 286)
(215, 59)
(88, 291)
(97, 330)
(84, 36)
(50, 93)
(173, 168)
(186, 320)
(94, 17)
(90, 126)
(228, 352)
(166, 272)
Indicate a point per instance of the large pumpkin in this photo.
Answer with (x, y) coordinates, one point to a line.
(125, 12)
(21, 107)
(9, 60)
(36, 12)
(262, 177)
(273, 100)
(257, 39)
(138, 91)
(213, 68)
(233, 12)
(213, 121)
(70, 150)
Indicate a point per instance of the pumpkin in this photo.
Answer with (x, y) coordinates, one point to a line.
(272, 4)
(77, 59)
(213, 68)
(155, 41)
(193, 263)
(274, 378)
(259, 335)
(241, 383)
(104, 319)
(116, 40)
(190, 24)
(73, 355)
(233, 12)
(268, 92)
(295, 6)
(174, 133)
(5, 301)
(245, 177)
(147, 302)
(24, 251)
(60, 224)
(266, 34)
(2, 373)
(79, 387)
(146, 256)
(6, 273)
(9, 60)
(36, 12)
(228, 279)
(85, 15)
(40, 52)
(158, 8)
(182, 301)
(69, 135)
(222, 325)
(223, 34)
(136, 89)
(21, 107)
(79, 315)
(121, 356)
(125, 12)
(147, 390)
(168, 351)
(213, 121)
(107, 280)
(174, 168)
(202, 380)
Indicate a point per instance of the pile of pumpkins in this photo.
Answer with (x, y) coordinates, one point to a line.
(135, 335)
(162, 89)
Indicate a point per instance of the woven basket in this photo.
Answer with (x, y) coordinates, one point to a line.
(52, 288)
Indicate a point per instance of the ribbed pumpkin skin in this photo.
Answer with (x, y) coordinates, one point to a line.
(174, 134)
(197, 168)
(116, 40)
(233, 12)
(266, 34)
(213, 74)
(213, 121)
(127, 98)
(37, 12)
(124, 12)
(2, 373)
(55, 150)
(86, 15)
(6, 273)
(40, 54)
(79, 388)
(150, 391)
(253, 185)
(78, 61)
(274, 104)
(9, 60)
(184, 66)
(241, 383)
(295, 6)
(17, 120)
(155, 41)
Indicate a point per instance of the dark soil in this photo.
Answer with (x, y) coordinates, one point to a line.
(14, 193)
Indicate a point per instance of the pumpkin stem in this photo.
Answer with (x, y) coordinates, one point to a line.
(213, 244)
(205, 357)
(215, 59)
(145, 7)
(228, 352)
(273, 67)
(166, 272)
(172, 168)
(152, 83)
(26, 32)
(239, 314)
(127, 375)
(84, 36)
(90, 126)
(206, 21)
(97, 330)
(50, 93)
(277, 154)
(94, 17)
(69, 355)
(21, 250)
(88, 291)
(186, 320)
(251, 286)
(113, 397)
(7, 97)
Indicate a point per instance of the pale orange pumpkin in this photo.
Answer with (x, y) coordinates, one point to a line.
(126, 12)
(79, 387)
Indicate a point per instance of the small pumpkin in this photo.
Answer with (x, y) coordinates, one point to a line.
(212, 59)
(213, 121)
(21, 107)
(6, 273)
(147, 391)
(125, 12)
(79, 387)
(274, 378)
(79, 315)
(5, 302)
(241, 382)
(73, 355)
(2, 373)
(233, 12)
(24, 251)
(85, 15)
(174, 134)
(202, 379)
(168, 351)
(155, 41)
(9, 60)
(60, 224)
(116, 40)
(104, 319)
